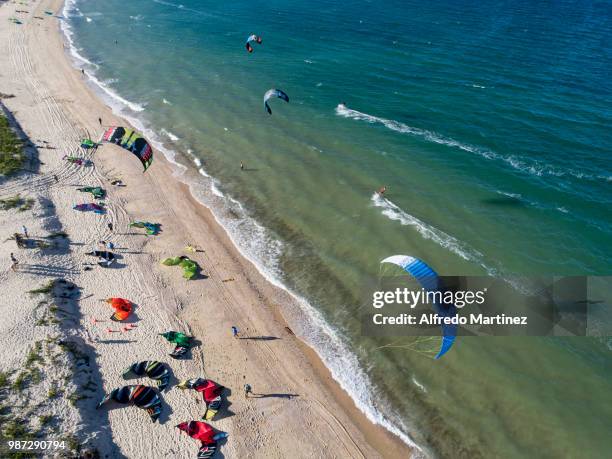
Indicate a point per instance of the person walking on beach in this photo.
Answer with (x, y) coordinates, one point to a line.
(110, 226)
(24, 230)
(247, 390)
(235, 331)
(100, 121)
(14, 261)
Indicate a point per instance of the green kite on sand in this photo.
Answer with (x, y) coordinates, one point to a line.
(96, 191)
(182, 341)
(190, 267)
(152, 229)
(88, 143)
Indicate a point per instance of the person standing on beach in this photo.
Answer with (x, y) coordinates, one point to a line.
(110, 226)
(14, 261)
(235, 331)
(24, 230)
(100, 121)
(247, 390)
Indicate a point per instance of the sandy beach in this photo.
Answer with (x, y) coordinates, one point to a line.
(299, 410)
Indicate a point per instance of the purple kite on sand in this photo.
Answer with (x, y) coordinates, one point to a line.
(89, 207)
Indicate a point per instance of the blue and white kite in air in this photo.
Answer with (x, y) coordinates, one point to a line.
(430, 281)
(274, 93)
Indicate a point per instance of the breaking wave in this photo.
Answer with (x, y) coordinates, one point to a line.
(533, 167)
(427, 231)
(169, 134)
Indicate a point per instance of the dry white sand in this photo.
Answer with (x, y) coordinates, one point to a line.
(52, 104)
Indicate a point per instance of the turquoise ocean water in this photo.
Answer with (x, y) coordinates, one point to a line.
(489, 123)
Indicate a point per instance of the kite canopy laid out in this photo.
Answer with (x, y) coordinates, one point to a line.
(206, 434)
(98, 209)
(274, 93)
(144, 397)
(96, 191)
(211, 392)
(429, 281)
(152, 229)
(123, 308)
(182, 341)
(199, 430)
(76, 160)
(252, 39)
(151, 368)
(190, 267)
(105, 259)
(88, 143)
(132, 141)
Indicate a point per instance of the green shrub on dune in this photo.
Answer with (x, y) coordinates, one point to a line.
(11, 149)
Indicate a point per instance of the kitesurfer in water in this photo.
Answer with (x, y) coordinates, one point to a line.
(381, 191)
(241, 166)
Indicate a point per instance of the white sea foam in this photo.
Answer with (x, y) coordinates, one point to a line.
(169, 134)
(167, 102)
(70, 11)
(533, 167)
(114, 95)
(419, 385)
(510, 195)
(447, 241)
(216, 191)
(82, 61)
(88, 19)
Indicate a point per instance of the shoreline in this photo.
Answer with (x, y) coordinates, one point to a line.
(252, 285)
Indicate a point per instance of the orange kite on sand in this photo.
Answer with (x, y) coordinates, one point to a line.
(122, 308)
